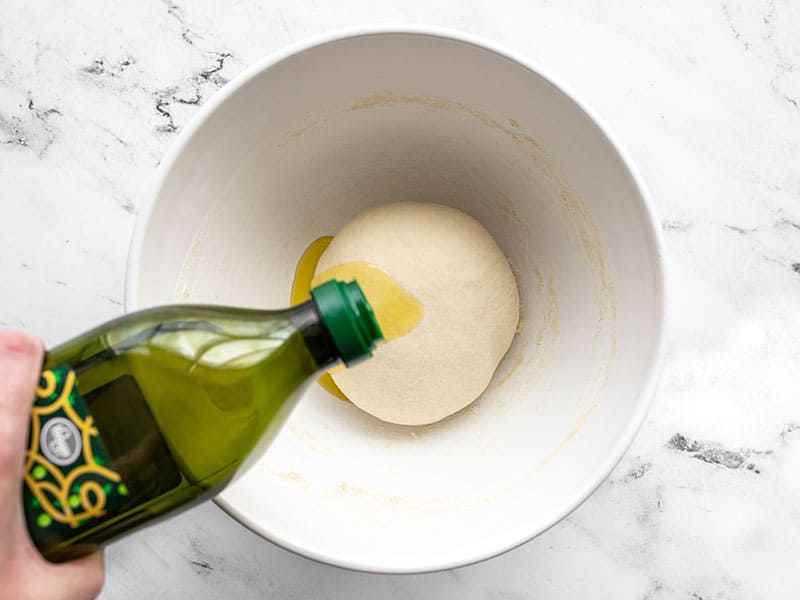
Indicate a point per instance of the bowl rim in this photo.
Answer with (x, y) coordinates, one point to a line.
(518, 537)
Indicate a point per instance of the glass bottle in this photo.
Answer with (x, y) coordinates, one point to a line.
(160, 409)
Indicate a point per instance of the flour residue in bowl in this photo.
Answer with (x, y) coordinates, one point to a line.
(542, 324)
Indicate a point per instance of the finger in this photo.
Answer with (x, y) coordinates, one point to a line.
(81, 578)
(20, 367)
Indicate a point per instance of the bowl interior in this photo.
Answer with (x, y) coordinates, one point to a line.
(289, 153)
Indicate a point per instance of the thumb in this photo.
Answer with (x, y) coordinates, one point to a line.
(79, 579)
(20, 366)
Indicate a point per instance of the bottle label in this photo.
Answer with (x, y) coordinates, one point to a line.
(69, 481)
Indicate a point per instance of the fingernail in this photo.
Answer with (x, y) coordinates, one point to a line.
(18, 342)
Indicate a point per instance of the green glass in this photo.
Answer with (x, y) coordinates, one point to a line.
(182, 399)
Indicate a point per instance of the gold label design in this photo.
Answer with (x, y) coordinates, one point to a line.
(69, 481)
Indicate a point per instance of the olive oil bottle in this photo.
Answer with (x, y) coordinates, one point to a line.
(160, 409)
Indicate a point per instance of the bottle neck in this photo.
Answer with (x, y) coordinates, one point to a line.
(307, 320)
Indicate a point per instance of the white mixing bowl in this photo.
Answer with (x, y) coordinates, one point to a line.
(296, 145)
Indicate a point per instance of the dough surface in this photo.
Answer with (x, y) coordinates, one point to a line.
(457, 271)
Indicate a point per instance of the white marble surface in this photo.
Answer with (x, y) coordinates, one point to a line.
(706, 97)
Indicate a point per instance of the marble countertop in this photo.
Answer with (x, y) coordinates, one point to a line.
(704, 95)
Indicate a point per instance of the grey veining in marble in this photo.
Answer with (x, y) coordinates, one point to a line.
(706, 98)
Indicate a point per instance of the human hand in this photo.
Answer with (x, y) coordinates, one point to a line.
(24, 573)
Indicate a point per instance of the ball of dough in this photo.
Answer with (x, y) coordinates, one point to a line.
(455, 268)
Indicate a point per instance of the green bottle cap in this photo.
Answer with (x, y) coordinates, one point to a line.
(349, 318)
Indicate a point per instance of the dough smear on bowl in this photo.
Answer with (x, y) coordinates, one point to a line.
(454, 267)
